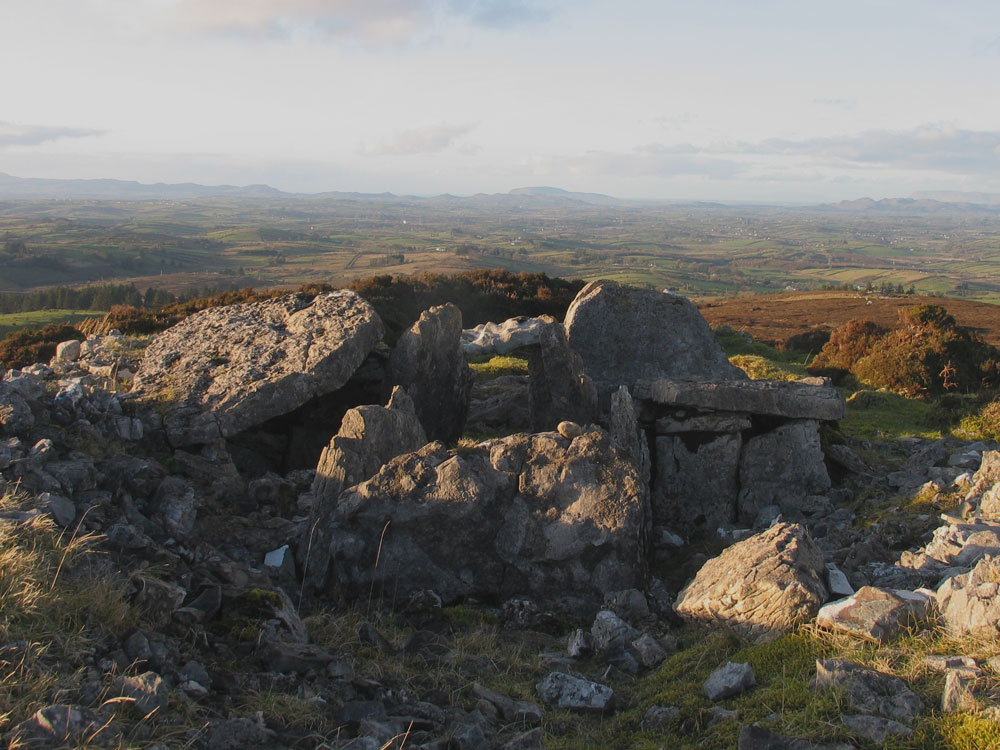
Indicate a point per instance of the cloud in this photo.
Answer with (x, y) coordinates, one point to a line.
(426, 140)
(937, 147)
(379, 21)
(499, 14)
(16, 134)
(653, 160)
(838, 103)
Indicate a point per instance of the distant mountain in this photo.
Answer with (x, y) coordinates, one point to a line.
(914, 205)
(596, 199)
(959, 196)
(31, 188)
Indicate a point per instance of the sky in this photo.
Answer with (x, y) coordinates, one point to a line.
(729, 100)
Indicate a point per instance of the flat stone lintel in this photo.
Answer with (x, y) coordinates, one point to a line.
(776, 398)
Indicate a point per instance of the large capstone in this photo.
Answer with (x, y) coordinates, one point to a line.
(245, 364)
(625, 334)
(560, 521)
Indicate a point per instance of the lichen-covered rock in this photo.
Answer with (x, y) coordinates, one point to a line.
(696, 482)
(876, 614)
(969, 603)
(429, 363)
(558, 388)
(501, 338)
(869, 692)
(758, 588)
(781, 466)
(369, 436)
(560, 521)
(986, 485)
(562, 690)
(625, 334)
(250, 362)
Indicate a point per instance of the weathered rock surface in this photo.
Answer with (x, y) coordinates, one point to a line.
(758, 588)
(696, 482)
(777, 398)
(985, 484)
(501, 338)
(558, 387)
(428, 362)
(575, 693)
(781, 467)
(626, 334)
(247, 363)
(554, 519)
(969, 603)
(729, 680)
(869, 692)
(368, 438)
(753, 737)
(876, 614)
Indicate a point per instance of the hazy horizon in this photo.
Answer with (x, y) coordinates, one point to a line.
(777, 102)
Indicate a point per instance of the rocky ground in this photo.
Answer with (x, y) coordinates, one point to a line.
(173, 575)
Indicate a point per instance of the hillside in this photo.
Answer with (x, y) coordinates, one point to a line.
(773, 318)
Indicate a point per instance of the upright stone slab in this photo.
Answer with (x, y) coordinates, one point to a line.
(368, 438)
(558, 388)
(625, 334)
(781, 467)
(429, 363)
(696, 483)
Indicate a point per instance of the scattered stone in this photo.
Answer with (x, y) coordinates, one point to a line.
(759, 588)
(969, 603)
(148, 691)
(59, 726)
(753, 737)
(569, 430)
(877, 614)
(868, 691)
(660, 717)
(727, 681)
(957, 695)
(68, 351)
(581, 644)
(875, 728)
(62, 509)
(941, 664)
(530, 740)
(508, 708)
(561, 690)
(837, 582)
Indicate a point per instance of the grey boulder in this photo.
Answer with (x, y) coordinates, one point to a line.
(250, 362)
(759, 588)
(560, 521)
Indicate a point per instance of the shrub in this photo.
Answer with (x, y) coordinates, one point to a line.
(986, 424)
(846, 345)
(27, 346)
(928, 353)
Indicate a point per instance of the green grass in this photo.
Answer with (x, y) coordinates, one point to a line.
(489, 366)
(15, 321)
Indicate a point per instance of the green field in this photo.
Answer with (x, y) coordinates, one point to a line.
(699, 250)
(38, 318)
